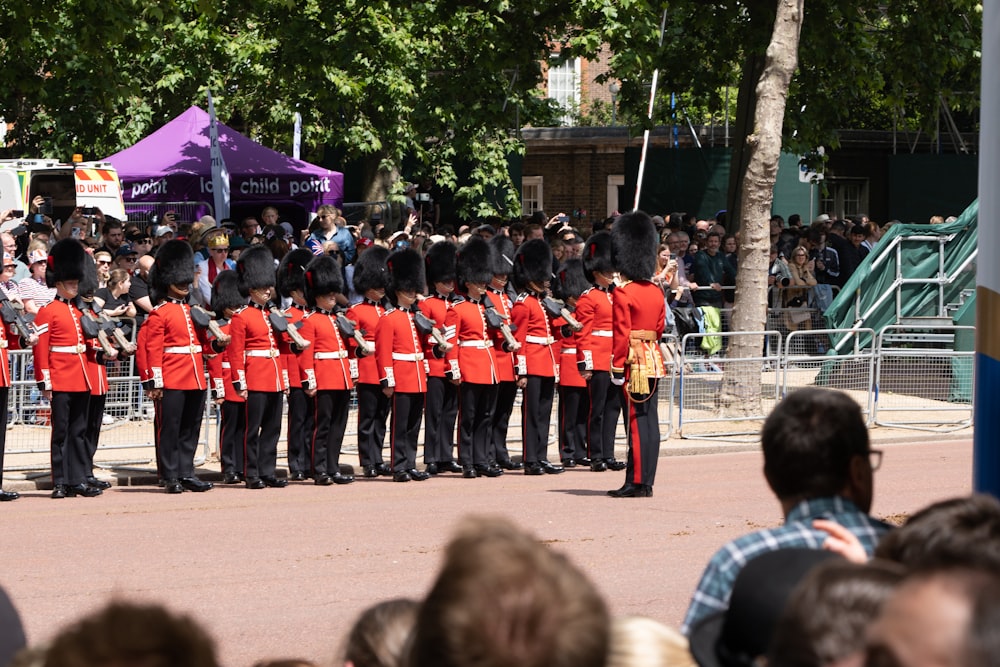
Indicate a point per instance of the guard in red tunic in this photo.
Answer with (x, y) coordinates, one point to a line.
(257, 372)
(370, 279)
(400, 350)
(638, 315)
(502, 262)
(60, 361)
(8, 341)
(325, 370)
(472, 360)
(226, 300)
(574, 401)
(442, 394)
(301, 406)
(593, 353)
(174, 354)
(537, 366)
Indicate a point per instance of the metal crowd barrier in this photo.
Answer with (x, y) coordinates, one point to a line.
(852, 371)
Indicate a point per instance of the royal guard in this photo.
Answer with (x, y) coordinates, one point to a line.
(501, 264)
(226, 301)
(370, 280)
(593, 353)
(257, 372)
(536, 330)
(442, 393)
(290, 282)
(174, 355)
(399, 351)
(638, 315)
(574, 401)
(472, 361)
(325, 370)
(60, 361)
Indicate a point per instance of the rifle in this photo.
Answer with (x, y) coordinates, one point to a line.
(111, 324)
(12, 314)
(426, 326)
(348, 330)
(92, 328)
(558, 309)
(495, 320)
(206, 320)
(279, 322)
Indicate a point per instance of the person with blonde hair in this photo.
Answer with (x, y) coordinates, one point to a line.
(637, 641)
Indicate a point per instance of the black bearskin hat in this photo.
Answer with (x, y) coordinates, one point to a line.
(406, 271)
(440, 261)
(571, 282)
(174, 265)
(634, 244)
(323, 276)
(370, 271)
(65, 262)
(597, 255)
(291, 271)
(89, 283)
(226, 293)
(472, 263)
(532, 264)
(255, 267)
(502, 257)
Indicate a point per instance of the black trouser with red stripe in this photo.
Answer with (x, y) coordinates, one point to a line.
(536, 413)
(605, 409)
(574, 404)
(69, 436)
(407, 411)
(234, 436)
(4, 393)
(373, 409)
(95, 419)
(301, 411)
(330, 419)
(181, 411)
(439, 424)
(506, 393)
(475, 423)
(263, 430)
(642, 430)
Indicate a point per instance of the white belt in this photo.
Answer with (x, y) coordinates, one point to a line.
(540, 340)
(339, 354)
(407, 356)
(569, 350)
(478, 344)
(3, 343)
(183, 349)
(601, 333)
(270, 354)
(226, 364)
(68, 349)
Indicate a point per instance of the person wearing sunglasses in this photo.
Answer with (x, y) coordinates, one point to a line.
(218, 261)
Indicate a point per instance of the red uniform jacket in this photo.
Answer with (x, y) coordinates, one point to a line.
(326, 363)
(61, 353)
(472, 355)
(569, 374)
(638, 306)
(253, 352)
(288, 356)
(503, 359)
(399, 352)
(366, 316)
(220, 373)
(96, 367)
(593, 345)
(536, 333)
(173, 347)
(4, 361)
(436, 307)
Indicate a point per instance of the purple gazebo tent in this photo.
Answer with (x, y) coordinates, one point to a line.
(173, 164)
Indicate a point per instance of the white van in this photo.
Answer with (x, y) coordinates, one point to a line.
(65, 185)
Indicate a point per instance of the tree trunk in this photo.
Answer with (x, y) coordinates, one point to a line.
(740, 391)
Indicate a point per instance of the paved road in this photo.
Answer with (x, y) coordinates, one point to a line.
(282, 572)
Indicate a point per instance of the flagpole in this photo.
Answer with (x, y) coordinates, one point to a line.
(649, 114)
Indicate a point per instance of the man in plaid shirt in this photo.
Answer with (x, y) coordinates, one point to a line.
(818, 462)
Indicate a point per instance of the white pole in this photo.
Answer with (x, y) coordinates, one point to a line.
(649, 114)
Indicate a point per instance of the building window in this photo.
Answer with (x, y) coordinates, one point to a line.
(845, 197)
(616, 184)
(531, 194)
(564, 86)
